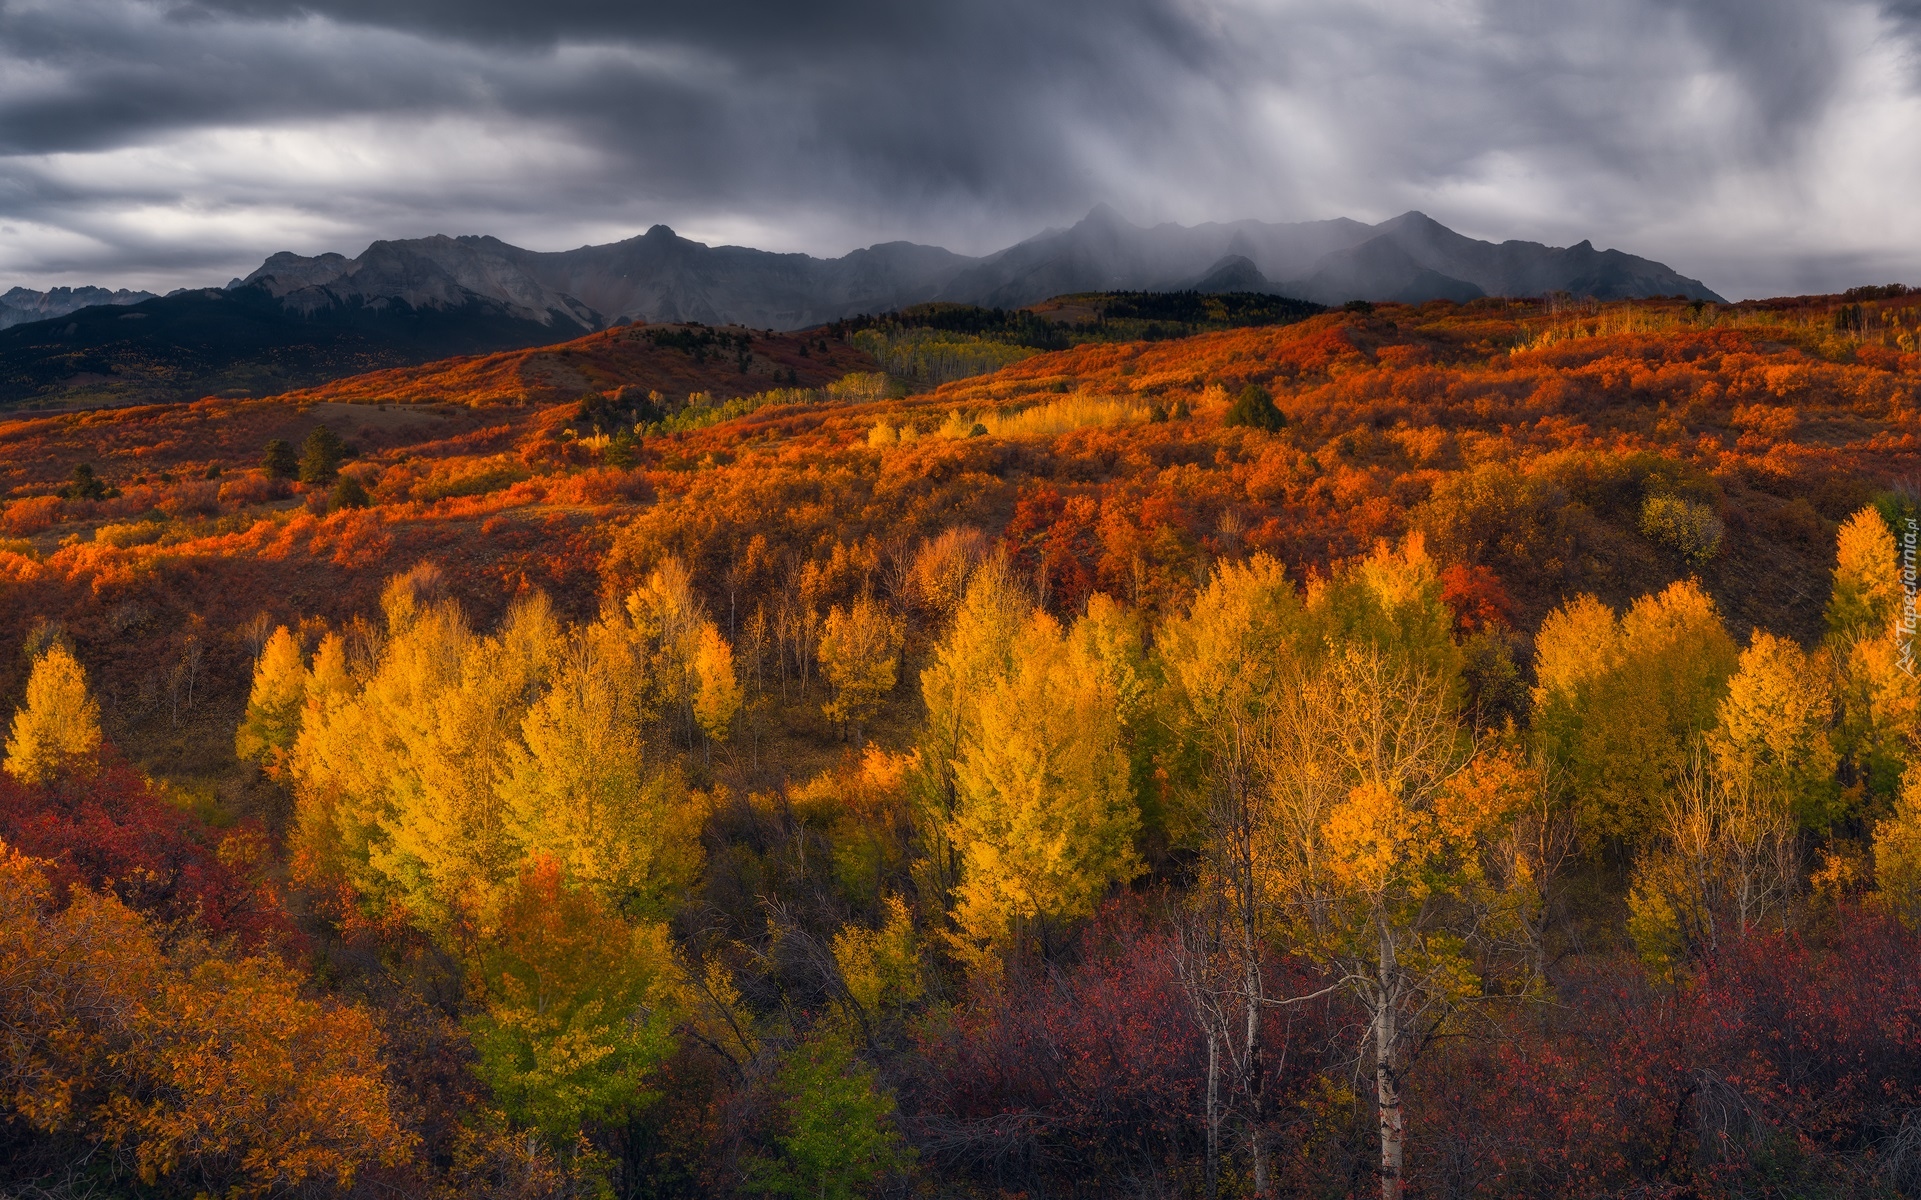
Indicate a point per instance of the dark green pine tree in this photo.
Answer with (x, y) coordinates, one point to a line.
(280, 461)
(320, 456)
(1254, 407)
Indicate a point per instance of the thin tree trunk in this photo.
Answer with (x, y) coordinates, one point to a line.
(1387, 1085)
(1213, 1115)
(1254, 1085)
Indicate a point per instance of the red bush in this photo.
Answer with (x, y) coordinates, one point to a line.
(112, 832)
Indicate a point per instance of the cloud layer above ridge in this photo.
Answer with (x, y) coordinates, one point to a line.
(1765, 146)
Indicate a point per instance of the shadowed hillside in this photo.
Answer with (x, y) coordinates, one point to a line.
(687, 762)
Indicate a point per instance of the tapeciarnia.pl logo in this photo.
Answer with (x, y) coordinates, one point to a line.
(1905, 625)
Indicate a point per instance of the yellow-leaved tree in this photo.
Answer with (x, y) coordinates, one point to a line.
(1867, 578)
(1622, 700)
(1880, 731)
(1045, 817)
(880, 969)
(664, 629)
(56, 733)
(394, 772)
(431, 776)
(1897, 853)
(450, 830)
(274, 703)
(1378, 821)
(592, 782)
(975, 652)
(1722, 864)
(1227, 662)
(717, 687)
(1773, 733)
(1371, 850)
(860, 656)
(1722, 860)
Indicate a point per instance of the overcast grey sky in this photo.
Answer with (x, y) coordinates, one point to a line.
(1764, 146)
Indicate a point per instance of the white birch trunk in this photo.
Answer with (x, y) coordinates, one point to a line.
(1387, 1084)
(1213, 1115)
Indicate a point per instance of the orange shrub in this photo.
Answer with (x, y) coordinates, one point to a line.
(24, 518)
(253, 489)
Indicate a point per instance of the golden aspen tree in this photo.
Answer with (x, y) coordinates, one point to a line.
(663, 626)
(1773, 732)
(358, 760)
(1227, 661)
(396, 773)
(1867, 578)
(1046, 821)
(279, 693)
(1579, 643)
(717, 692)
(1880, 730)
(1390, 599)
(880, 968)
(427, 779)
(1109, 636)
(56, 732)
(1524, 852)
(411, 593)
(860, 656)
(1621, 701)
(449, 825)
(318, 839)
(1371, 852)
(1721, 864)
(975, 652)
(330, 681)
(1897, 853)
(585, 787)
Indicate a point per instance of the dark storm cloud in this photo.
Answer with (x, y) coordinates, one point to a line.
(155, 140)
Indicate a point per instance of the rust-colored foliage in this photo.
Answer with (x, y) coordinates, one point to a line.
(1525, 455)
(633, 356)
(112, 833)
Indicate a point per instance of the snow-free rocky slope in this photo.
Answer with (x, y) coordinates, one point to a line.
(299, 320)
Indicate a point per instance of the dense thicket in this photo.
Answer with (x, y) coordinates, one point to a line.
(1495, 773)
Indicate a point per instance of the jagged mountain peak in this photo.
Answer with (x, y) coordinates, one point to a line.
(1233, 273)
(21, 306)
(1104, 216)
(408, 299)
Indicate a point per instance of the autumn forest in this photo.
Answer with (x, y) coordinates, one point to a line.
(1455, 750)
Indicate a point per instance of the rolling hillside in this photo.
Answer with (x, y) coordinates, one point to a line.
(299, 321)
(837, 739)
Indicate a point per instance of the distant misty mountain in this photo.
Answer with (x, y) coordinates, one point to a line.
(298, 320)
(658, 276)
(661, 276)
(21, 305)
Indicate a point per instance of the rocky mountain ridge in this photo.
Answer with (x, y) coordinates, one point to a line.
(299, 320)
(661, 276)
(20, 306)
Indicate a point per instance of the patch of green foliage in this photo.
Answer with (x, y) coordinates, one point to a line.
(1254, 408)
(838, 1138)
(927, 345)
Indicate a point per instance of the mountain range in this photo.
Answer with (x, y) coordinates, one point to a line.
(301, 320)
(20, 306)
